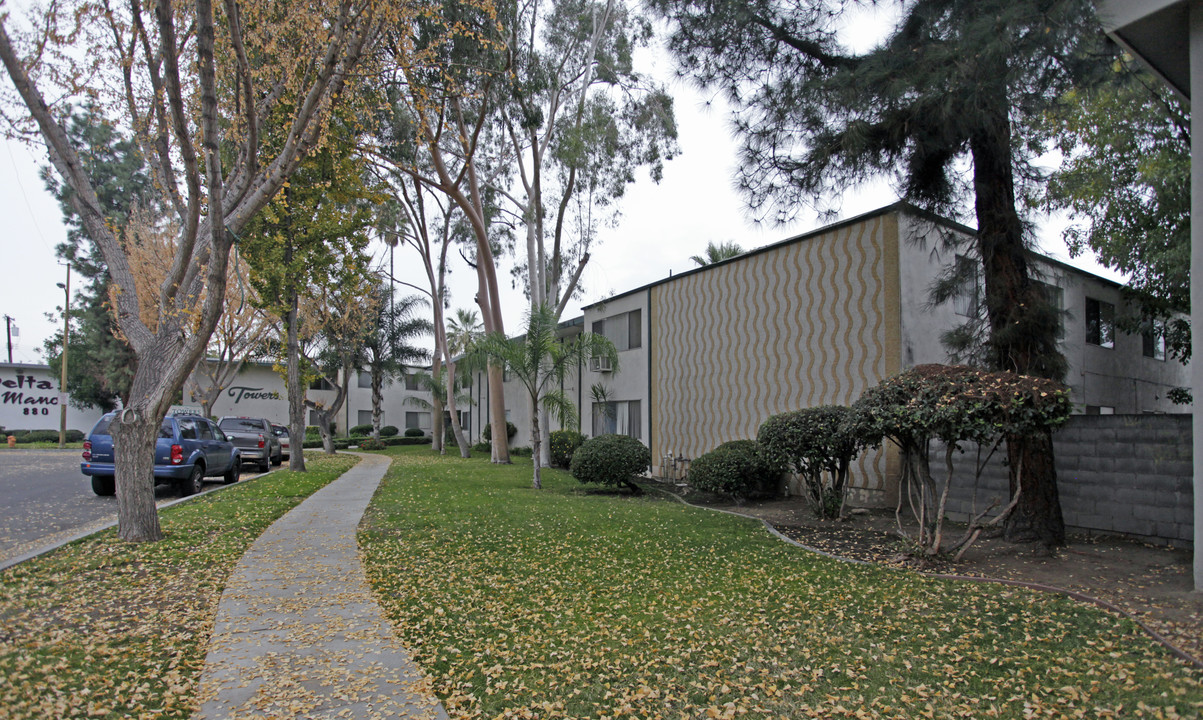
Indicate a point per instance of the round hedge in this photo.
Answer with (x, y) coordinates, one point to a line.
(612, 460)
(411, 432)
(740, 469)
(563, 444)
(389, 431)
(361, 430)
(510, 431)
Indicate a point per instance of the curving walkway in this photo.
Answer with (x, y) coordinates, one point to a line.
(298, 633)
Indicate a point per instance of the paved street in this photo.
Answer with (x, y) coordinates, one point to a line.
(45, 499)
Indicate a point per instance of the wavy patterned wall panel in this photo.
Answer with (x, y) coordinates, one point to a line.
(811, 322)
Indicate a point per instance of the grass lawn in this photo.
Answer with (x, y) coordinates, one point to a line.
(568, 602)
(105, 629)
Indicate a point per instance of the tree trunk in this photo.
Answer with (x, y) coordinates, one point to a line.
(534, 422)
(544, 435)
(1018, 343)
(296, 395)
(134, 437)
(500, 441)
(377, 398)
(437, 443)
(323, 427)
(1037, 517)
(456, 427)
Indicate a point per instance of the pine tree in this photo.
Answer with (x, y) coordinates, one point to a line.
(955, 80)
(102, 364)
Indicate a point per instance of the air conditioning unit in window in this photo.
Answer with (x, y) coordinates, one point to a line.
(600, 364)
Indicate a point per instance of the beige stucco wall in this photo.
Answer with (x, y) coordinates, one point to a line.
(801, 324)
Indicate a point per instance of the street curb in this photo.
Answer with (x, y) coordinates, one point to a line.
(12, 562)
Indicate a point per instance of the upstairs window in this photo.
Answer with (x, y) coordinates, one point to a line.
(1153, 337)
(1100, 323)
(625, 330)
(968, 298)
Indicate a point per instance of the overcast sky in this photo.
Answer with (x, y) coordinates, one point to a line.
(661, 226)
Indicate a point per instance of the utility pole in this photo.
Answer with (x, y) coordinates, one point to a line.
(8, 328)
(62, 393)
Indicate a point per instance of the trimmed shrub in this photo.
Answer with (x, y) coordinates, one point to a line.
(521, 452)
(371, 444)
(510, 431)
(389, 431)
(563, 444)
(819, 445)
(482, 447)
(411, 432)
(612, 460)
(739, 469)
(33, 436)
(362, 430)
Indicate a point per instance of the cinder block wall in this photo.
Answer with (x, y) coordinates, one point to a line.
(1129, 474)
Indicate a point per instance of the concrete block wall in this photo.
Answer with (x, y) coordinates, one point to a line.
(1128, 474)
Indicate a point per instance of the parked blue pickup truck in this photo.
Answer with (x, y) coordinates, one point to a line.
(189, 449)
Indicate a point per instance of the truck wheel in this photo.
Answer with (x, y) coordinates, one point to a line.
(195, 482)
(278, 459)
(233, 474)
(265, 465)
(104, 485)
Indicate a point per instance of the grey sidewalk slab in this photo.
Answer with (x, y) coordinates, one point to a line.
(298, 633)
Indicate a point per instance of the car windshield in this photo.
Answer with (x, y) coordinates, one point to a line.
(236, 424)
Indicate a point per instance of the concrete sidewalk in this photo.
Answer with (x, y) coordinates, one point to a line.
(298, 633)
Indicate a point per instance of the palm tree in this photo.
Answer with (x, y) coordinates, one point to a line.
(540, 360)
(718, 253)
(463, 331)
(388, 349)
(437, 384)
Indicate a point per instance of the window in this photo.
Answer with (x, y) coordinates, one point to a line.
(1053, 295)
(616, 330)
(411, 382)
(1100, 410)
(1153, 336)
(1100, 323)
(968, 297)
(321, 384)
(420, 420)
(188, 429)
(203, 430)
(365, 379)
(465, 422)
(618, 418)
(365, 418)
(625, 330)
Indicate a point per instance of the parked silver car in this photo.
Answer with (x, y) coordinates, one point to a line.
(255, 439)
(282, 435)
